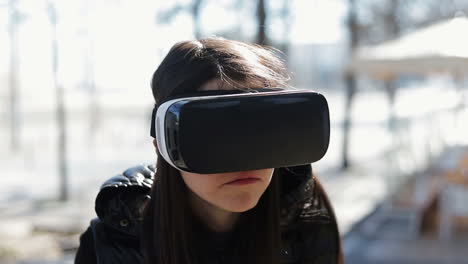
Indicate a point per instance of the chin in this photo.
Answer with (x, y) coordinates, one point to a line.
(242, 205)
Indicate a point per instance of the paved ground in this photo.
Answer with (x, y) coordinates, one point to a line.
(44, 232)
(393, 245)
(385, 236)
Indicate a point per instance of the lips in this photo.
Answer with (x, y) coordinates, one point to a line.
(244, 180)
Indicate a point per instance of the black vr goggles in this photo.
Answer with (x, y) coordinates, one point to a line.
(238, 130)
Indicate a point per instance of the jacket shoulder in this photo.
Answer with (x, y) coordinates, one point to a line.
(101, 245)
(120, 201)
(309, 228)
(86, 253)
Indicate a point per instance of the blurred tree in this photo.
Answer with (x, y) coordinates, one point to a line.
(196, 6)
(60, 110)
(261, 16)
(264, 13)
(261, 26)
(392, 28)
(89, 79)
(285, 13)
(381, 20)
(378, 20)
(15, 19)
(278, 14)
(350, 82)
(194, 9)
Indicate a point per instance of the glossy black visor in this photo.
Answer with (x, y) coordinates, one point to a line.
(239, 130)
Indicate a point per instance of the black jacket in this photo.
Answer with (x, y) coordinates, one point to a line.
(309, 230)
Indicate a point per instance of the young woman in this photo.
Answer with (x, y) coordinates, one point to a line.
(283, 217)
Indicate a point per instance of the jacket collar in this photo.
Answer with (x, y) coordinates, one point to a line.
(296, 191)
(113, 206)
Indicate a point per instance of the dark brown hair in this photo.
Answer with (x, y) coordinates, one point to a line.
(168, 226)
(189, 64)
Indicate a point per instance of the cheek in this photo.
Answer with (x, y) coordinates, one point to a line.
(268, 174)
(202, 185)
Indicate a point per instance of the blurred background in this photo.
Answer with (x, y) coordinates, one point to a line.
(75, 109)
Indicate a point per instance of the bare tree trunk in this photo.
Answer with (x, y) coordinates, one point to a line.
(391, 89)
(261, 18)
(285, 13)
(196, 18)
(60, 111)
(391, 25)
(94, 109)
(350, 82)
(13, 80)
(237, 7)
(350, 92)
(392, 29)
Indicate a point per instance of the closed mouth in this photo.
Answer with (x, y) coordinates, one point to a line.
(242, 181)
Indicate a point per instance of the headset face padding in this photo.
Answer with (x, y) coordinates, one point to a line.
(247, 131)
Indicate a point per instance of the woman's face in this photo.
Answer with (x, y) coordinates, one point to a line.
(233, 191)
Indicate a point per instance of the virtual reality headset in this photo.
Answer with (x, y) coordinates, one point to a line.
(237, 130)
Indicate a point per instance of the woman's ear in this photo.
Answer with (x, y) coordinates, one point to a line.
(155, 144)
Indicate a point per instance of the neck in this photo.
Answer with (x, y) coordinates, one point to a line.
(215, 218)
